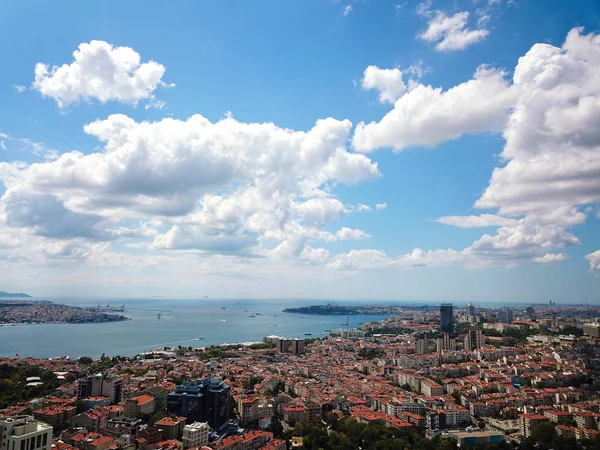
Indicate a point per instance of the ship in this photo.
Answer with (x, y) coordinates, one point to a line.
(307, 334)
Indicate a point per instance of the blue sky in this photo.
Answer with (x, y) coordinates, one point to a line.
(391, 198)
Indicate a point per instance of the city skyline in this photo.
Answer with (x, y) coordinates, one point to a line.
(418, 151)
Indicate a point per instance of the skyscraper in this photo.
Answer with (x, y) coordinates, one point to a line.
(446, 318)
(505, 315)
(215, 402)
(186, 401)
(470, 309)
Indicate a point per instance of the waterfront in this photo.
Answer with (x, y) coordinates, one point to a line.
(187, 321)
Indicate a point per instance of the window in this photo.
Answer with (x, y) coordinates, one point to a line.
(38, 441)
(23, 445)
(45, 439)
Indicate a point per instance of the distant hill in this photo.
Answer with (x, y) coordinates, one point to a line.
(13, 295)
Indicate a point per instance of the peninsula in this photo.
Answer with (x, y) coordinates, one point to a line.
(4, 294)
(341, 310)
(14, 312)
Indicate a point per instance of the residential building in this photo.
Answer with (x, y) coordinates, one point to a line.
(445, 342)
(55, 416)
(253, 440)
(24, 433)
(139, 406)
(528, 422)
(591, 329)
(295, 346)
(312, 411)
(171, 427)
(421, 344)
(435, 420)
(195, 435)
(99, 385)
(474, 339)
(160, 395)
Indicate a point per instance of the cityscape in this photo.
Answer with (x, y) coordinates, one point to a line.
(445, 377)
(300, 224)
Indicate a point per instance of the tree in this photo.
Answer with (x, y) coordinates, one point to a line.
(85, 360)
(543, 432)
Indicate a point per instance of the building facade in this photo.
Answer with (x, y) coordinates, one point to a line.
(446, 318)
(195, 435)
(24, 433)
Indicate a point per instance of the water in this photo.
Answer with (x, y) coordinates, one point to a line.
(187, 321)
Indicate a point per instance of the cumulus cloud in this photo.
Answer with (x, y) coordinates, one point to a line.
(347, 10)
(381, 206)
(388, 82)
(552, 149)
(102, 72)
(451, 32)
(226, 187)
(594, 259)
(426, 116)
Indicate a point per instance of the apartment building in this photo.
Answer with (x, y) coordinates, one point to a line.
(195, 435)
(24, 433)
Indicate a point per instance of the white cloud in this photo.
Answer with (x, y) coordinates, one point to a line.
(347, 10)
(426, 116)
(351, 234)
(551, 258)
(102, 72)
(363, 208)
(387, 81)
(484, 220)
(594, 259)
(274, 185)
(451, 32)
(2, 145)
(158, 104)
(19, 88)
(381, 206)
(552, 140)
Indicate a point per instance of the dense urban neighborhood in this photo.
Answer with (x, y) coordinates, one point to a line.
(14, 312)
(440, 378)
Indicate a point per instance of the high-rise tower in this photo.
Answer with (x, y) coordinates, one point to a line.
(447, 318)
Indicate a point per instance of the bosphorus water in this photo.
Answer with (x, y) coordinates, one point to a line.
(187, 321)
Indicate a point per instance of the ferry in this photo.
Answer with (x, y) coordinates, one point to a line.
(307, 334)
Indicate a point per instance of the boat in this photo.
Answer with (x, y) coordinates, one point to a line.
(200, 338)
(307, 334)
(252, 315)
(222, 307)
(328, 331)
(158, 317)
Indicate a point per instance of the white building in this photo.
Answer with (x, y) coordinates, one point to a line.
(195, 435)
(24, 433)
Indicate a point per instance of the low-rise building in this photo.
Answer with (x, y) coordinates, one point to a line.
(195, 435)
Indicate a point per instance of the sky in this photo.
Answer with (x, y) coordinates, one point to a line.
(327, 149)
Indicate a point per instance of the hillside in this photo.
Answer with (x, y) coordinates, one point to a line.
(14, 295)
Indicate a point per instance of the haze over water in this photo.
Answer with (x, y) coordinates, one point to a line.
(187, 321)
